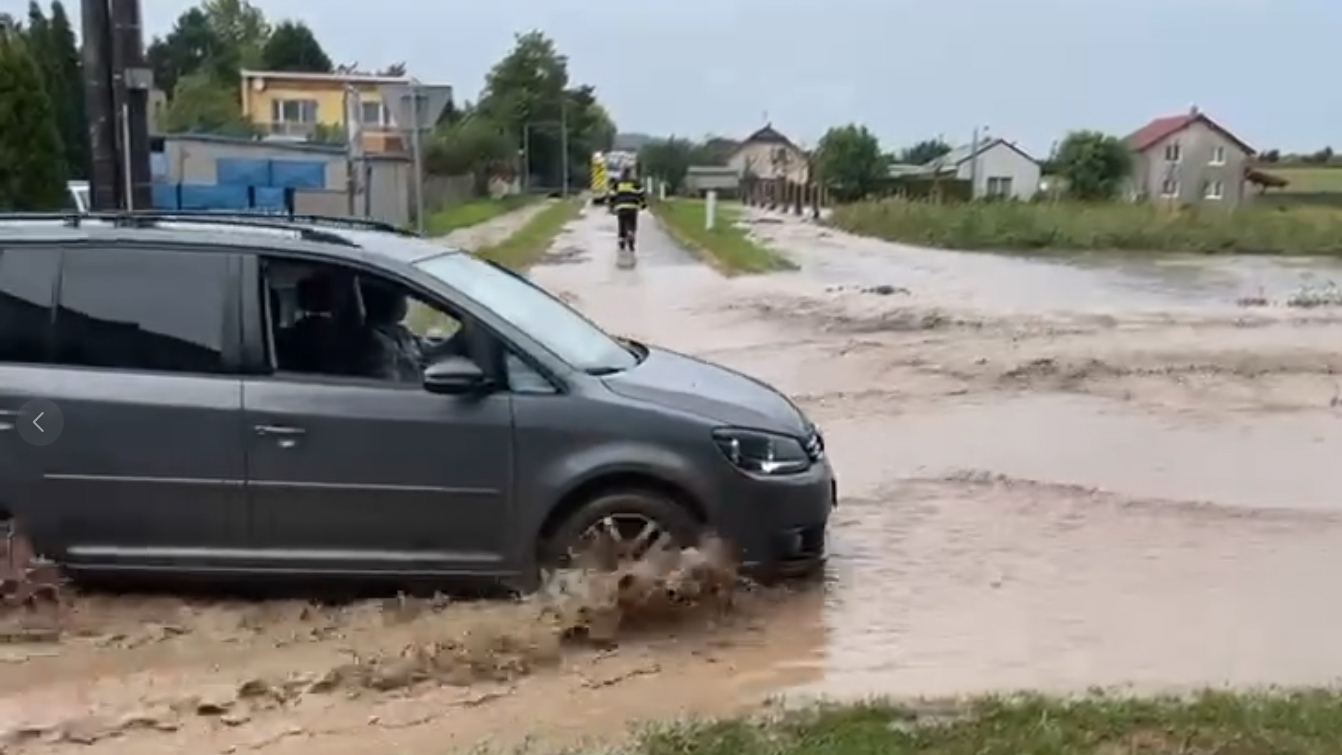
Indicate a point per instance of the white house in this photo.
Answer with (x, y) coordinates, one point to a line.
(767, 154)
(1003, 170)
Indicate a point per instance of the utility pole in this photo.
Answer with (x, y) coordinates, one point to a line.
(416, 146)
(131, 81)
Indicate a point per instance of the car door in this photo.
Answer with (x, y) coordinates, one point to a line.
(149, 468)
(356, 474)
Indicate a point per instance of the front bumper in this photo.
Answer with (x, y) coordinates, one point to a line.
(778, 524)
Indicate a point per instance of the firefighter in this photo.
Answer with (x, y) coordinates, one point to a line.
(627, 199)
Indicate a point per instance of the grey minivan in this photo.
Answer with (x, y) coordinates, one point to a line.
(234, 397)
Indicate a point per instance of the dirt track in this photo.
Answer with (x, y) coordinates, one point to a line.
(1052, 476)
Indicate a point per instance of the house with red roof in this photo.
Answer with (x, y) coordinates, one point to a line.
(1189, 159)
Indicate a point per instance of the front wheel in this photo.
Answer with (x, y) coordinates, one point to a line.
(620, 526)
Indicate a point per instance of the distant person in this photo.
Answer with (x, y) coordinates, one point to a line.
(627, 200)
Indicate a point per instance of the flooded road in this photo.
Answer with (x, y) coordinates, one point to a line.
(1053, 476)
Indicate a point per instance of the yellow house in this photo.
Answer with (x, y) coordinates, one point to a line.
(287, 103)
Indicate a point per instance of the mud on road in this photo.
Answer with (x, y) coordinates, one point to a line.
(1053, 475)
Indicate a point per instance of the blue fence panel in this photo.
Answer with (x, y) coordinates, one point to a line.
(165, 196)
(269, 198)
(297, 174)
(214, 197)
(243, 171)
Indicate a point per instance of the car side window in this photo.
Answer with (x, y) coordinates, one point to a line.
(144, 309)
(27, 288)
(334, 321)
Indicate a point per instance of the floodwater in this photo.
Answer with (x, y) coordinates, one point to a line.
(1054, 475)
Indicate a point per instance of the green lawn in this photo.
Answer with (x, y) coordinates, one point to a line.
(1284, 723)
(726, 247)
(1308, 178)
(448, 219)
(533, 239)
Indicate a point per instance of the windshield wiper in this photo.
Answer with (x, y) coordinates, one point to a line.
(603, 371)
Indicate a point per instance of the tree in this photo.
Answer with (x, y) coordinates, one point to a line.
(524, 93)
(473, 145)
(64, 50)
(849, 162)
(293, 47)
(1093, 164)
(924, 152)
(32, 171)
(395, 69)
(527, 94)
(202, 105)
(191, 47)
(241, 27)
(669, 160)
(1270, 156)
(1322, 157)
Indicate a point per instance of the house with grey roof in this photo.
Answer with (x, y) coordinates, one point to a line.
(767, 154)
(997, 167)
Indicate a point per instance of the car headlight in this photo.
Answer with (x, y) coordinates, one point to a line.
(761, 452)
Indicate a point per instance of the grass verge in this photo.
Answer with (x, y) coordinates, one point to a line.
(456, 216)
(1285, 723)
(727, 247)
(1067, 226)
(524, 248)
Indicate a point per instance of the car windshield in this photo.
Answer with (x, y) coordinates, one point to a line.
(555, 325)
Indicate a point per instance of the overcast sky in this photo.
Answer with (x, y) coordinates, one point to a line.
(908, 69)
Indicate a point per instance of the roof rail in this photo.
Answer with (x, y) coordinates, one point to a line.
(69, 217)
(151, 219)
(331, 221)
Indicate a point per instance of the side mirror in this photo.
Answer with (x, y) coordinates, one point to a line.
(455, 375)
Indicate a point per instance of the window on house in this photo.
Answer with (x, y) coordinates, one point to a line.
(372, 113)
(293, 111)
(1173, 152)
(1214, 190)
(999, 186)
(1170, 188)
(1218, 156)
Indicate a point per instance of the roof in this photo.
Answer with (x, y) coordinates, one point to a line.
(959, 155)
(1149, 135)
(365, 78)
(768, 135)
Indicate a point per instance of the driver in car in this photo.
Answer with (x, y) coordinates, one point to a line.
(396, 353)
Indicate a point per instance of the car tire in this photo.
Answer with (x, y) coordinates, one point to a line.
(624, 507)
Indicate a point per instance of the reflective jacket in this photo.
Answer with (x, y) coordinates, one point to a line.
(629, 195)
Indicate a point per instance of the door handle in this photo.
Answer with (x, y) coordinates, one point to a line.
(285, 431)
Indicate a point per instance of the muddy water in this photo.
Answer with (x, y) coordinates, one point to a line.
(1052, 475)
(1056, 474)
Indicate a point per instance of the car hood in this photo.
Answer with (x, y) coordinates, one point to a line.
(710, 391)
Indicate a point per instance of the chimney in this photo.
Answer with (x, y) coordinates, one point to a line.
(1193, 109)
